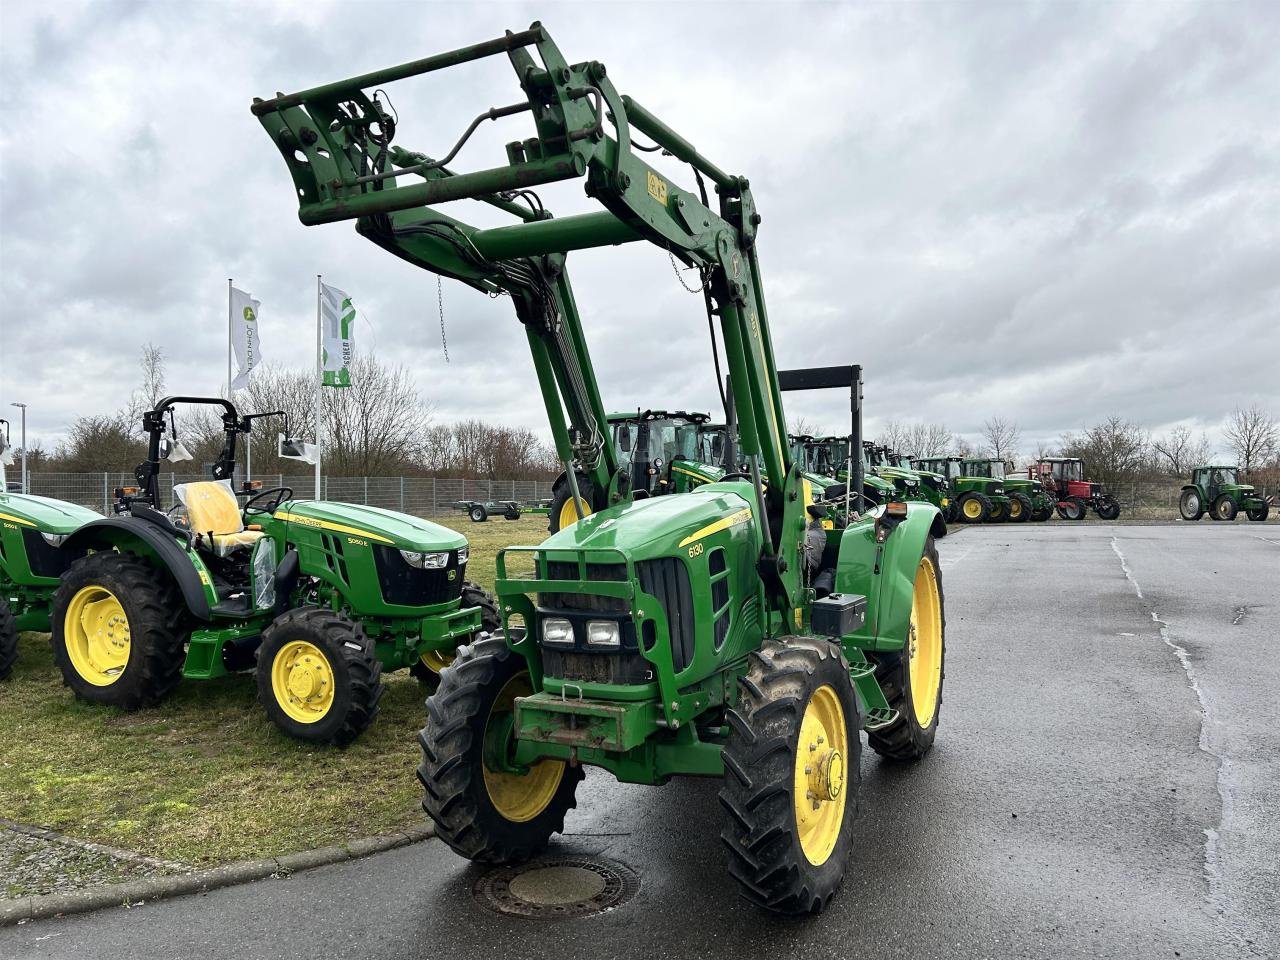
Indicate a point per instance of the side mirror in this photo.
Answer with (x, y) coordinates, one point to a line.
(174, 451)
(289, 448)
(624, 439)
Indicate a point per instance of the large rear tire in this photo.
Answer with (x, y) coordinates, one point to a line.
(1259, 514)
(973, 508)
(8, 640)
(318, 676)
(1019, 508)
(912, 678)
(428, 667)
(119, 630)
(1191, 505)
(563, 513)
(790, 790)
(1224, 508)
(488, 814)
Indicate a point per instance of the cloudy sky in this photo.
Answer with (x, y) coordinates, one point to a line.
(1051, 212)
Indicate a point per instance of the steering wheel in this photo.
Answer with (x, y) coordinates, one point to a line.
(277, 495)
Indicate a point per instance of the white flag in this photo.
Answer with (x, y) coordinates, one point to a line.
(244, 335)
(338, 321)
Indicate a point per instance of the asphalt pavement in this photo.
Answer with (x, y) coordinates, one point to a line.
(1104, 784)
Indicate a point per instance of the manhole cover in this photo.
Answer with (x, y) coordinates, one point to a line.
(553, 889)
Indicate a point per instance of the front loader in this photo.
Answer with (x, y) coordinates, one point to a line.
(33, 532)
(720, 632)
(317, 599)
(1218, 491)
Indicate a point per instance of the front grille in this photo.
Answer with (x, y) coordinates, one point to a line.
(562, 570)
(626, 667)
(412, 587)
(667, 579)
(46, 560)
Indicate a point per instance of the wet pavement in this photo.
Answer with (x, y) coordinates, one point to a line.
(1103, 785)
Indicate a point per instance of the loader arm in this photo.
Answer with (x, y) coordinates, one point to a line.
(336, 141)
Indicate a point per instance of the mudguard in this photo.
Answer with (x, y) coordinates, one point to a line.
(129, 534)
(884, 573)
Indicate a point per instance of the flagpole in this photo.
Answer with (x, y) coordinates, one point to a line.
(319, 387)
(229, 338)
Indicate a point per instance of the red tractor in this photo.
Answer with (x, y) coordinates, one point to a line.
(1064, 479)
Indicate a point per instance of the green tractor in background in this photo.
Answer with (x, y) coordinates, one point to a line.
(920, 484)
(989, 475)
(33, 555)
(976, 497)
(1027, 497)
(318, 599)
(1217, 490)
(721, 632)
(825, 461)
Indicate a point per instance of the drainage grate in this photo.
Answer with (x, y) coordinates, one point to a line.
(556, 888)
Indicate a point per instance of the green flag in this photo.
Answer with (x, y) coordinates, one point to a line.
(338, 320)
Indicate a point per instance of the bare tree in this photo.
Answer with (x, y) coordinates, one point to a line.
(925, 440)
(1253, 435)
(893, 435)
(804, 427)
(1179, 451)
(1002, 438)
(960, 447)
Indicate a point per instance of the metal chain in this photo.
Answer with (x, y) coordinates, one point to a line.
(444, 342)
(675, 265)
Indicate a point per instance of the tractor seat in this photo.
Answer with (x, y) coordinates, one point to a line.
(212, 510)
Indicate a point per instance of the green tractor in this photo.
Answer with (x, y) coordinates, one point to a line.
(1027, 497)
(976, 497)
(1218, 490)
(720, 632)
(827, 458)
(33, 533)
(987, 476)
(921, 484)
(318, 599)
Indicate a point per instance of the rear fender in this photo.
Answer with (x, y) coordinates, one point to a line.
(885, 574)
(131, 535)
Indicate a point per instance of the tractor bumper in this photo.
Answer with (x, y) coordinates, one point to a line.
(605, 725)
(441, 631)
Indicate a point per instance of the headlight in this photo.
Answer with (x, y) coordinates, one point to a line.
(603, 633)
(463, 553)
(1037, 486)
(426, 561)
(557, 632)
(54, 539)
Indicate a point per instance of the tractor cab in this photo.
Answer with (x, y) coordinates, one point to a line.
(662, 450)
(713, 444)
(948, 467)
(991, 469)
(1067, 470)
(1218, 491)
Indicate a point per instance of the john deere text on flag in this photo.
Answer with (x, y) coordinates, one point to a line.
(244, 335)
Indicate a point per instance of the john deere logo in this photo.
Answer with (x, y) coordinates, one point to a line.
(453, 574)
(249, 315)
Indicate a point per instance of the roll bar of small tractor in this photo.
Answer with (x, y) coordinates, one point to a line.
(337, 143)
(147, 472)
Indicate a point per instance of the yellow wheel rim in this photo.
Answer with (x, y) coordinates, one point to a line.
(519, 797)
(924, 642)
(821, 775)
(1015, 509)
(972, 509)
(302, 681)
(96, 633)
(569, 516)
(436, 660)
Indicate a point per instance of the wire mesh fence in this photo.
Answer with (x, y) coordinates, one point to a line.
(421, 496)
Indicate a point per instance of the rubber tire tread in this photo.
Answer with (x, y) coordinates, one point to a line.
(8, 640)
(1025, 502)
(560, 495)
(981, 498)
(357, 674)
(765, 856)
(159, 624)
(473, 595)
(1224, 500)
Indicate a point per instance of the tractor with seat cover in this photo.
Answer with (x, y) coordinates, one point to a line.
(720, 632)
(317, 599)
(33, 532)
(1063, 478)
(1218, 491)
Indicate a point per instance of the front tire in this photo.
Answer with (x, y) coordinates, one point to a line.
(1019, 508)
(431, 663)
(1190, 505)
(478, 513)
(973, 508)
(999, 512)
(563, 513)
(1072, 509)
(790, 790)
(485, 814)
(1109, 510)
(8, 640)
(318, 676)
(119, 630)
(912, 678)
(1224, 508)
(1258, 515)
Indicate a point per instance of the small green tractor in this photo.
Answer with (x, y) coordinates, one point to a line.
(317, 598)
(33, 532)
(1027, 497)
(721, 632)
(1218, 491)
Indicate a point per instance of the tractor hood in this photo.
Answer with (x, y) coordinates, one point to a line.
(661, 526)
(372, 523)
(44, 514)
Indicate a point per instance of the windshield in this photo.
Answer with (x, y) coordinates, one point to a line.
(1224, 475)
(976, 468)
(1068, 470)
(711, 445)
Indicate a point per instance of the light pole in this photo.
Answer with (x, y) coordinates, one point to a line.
(23, 408)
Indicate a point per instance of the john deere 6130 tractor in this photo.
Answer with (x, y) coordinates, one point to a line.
(33, 531)
(318, 598)
(720, 632)
(1218, 491)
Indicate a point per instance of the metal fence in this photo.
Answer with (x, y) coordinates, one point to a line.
(422, 496)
